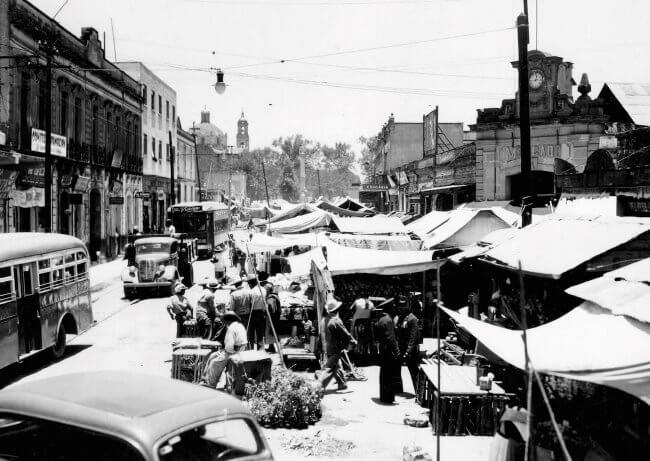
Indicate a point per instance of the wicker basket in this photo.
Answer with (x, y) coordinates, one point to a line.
(190, 329)
(188, 364)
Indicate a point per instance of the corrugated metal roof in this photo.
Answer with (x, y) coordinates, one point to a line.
(558, 244)
(635, 99)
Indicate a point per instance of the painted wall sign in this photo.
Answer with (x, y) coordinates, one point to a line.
(140, 194)
(32, 197)
(116, 200)
(507, 154)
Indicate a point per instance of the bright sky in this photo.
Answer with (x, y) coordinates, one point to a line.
(329, 41)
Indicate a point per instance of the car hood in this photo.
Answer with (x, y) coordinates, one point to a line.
(155, 257)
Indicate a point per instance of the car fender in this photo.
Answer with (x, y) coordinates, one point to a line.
(127, 277)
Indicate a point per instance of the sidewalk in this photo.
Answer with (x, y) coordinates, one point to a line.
(101, 275)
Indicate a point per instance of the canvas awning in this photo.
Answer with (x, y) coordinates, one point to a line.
(302, 223)
(261, 242)
(372, 225)
(484, 245)
(556, 245)
(625, 291)
(463, 228)
(346, 260)
(421, 227)
(377, 242)
(344, 212)
(302, 209)
(349, 203)
(588, 344)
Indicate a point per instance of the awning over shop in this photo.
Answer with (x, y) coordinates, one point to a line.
(298, 210)
(302, 223)
(556, 245)
(348, 203)
(262, 242)
(625, 291)
(344, 212)
(346, 260)
(421, 227)
(259, 213)
(372, 225)
(588, 344)
(484, 245)
(441, 189)
(377, 242)
(463, 228)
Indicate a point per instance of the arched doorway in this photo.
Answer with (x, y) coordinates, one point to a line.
(64, 213)
(95, 223)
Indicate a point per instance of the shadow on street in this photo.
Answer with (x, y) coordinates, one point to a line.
(34, 364)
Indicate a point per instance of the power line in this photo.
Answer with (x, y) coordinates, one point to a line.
(315, 3)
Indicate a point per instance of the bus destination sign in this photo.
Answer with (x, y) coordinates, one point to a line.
(186, 209)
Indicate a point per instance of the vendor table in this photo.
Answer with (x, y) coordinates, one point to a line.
(188, 364)
(465, 408)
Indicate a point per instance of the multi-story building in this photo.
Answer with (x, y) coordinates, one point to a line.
(158, 128)
(95, 124)
(186, 164)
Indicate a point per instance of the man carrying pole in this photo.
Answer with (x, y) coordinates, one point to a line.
(335, 339)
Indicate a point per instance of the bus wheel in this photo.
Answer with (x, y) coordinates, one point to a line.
(59, 347)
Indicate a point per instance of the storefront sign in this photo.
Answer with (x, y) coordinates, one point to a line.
(32, 197)
(415, 198)
(7, 183)
(430, 123)
(186, 209)
(507, 154)
(142, 195)
(117, 159)
(373, 187)
(82, 184)
(66, 180)
(33, 177)
(116, 200)
(393, 192)
(58, 143)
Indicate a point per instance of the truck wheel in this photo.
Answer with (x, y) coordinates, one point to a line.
(59, 346)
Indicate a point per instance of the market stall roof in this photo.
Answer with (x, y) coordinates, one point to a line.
(556, 245)
(371, 225)
(346, 260)
(349, 203)
(463, 228)
(482, 246)
(509, 213)
(376, 242)
(297, 210)
(601, 204)
(302, 223)
(261, 242)
(612, 350)
(259, 213)
(342, 211)
(421, 227)
(625, 291)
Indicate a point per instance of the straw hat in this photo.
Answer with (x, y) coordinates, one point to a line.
(230, 315)
(179, 287)
(332, 305)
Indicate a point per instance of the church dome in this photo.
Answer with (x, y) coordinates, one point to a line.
(209, 133)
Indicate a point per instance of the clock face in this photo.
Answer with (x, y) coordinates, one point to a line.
(535, 80)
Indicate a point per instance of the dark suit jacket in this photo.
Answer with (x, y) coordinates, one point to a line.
(388, 346)
(409, 335)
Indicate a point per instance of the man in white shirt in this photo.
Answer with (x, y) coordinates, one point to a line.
(170, 229)
(234, 342)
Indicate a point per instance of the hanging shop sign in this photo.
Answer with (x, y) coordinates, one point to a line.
(160, 195)
(430, 138)
(58, 143)
(403, 179)
(116, 162)
(82, 184)
(116, 200)
(7, 183)
(33, 177)
(393, 192)
(373, 187)
(142, 195)
(66, 180)
(32, 197)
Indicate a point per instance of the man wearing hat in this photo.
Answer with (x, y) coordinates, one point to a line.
(240, 301)
(409, 337)
(205, 308)
(235, 341)
(335, 338)
(389, 356)
(179, 308)
(258, 314)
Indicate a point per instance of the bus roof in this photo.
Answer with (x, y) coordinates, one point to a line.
(14, 245)
(205, 206)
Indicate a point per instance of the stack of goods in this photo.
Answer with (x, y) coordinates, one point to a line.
(190, 329)
(188, 364)
(249, 367)
(352, 287)
(287, 400)
(195, 343)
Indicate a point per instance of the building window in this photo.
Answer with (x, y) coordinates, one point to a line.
(117, 134)
(144, 94)
(153, 147)
(108, 132)
(160, 156)
(174, 113)
(64, 114)
(167, 109)
(145, 144)
(42, 93)
(95, 127)
(129, 132)
(25, 108)
(167, 151)
(136, 139)
(76, 120)
(153, 100)
(160, 104)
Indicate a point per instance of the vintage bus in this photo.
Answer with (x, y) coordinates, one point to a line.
(205, 221)
(44, 293)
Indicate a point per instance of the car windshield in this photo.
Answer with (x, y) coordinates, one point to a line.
(228, 439)
(152, 248)
(37, 440)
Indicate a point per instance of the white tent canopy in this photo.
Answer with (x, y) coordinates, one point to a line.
(371, 225)
(558, 244)
(302, 223)
(346, 260)
(421, 227)
(463, 228)
(588, 344)
(262, 242)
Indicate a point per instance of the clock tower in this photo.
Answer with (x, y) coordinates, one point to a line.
(242, 133)
(550, 85)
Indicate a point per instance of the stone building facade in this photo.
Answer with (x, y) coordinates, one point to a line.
(96, 130)
(186, 166)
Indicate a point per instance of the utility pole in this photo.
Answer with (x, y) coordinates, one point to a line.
(318, 176)
(229, 190)
(172, 195)
(48, 139)
(196, 161)
(524, 118)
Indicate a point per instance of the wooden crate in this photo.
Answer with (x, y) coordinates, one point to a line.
(190, 329)
(467, 414)
(188, 364)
